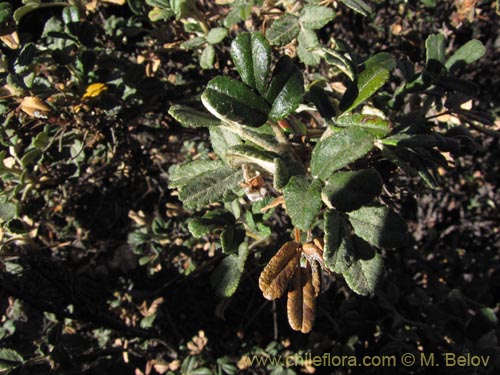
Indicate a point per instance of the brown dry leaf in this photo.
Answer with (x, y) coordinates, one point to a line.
(197, 344)
(34, 107)
(465, 11)
(11, 40)
(301, 304)
(275, 277)
(316, 281)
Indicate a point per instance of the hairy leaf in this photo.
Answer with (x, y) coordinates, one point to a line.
(338, 150)
(210, 187)
(240, 154)
(379, 226)
(471, 51)
(216, 35)
(182, 174)
(207, 57)
(358, 6)
(274, 279)
(368, 82)
(301, 304)
(222, 139)
(303, 201)
(348, 191)
(435, 48)
(251, 55)
(376, 126)
(315, 17)
(307, 40)
(285, 90)
(211, 221)
(226, 277)
(192, 118)
(283, 30)
(339, 61)
(234, 102)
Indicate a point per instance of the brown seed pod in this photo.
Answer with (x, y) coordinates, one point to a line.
(301, 304)
(316, 281)
(274, 279)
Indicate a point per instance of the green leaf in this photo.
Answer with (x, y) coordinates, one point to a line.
(24, 10)
(5, 12)
(234, 102)
(321, 100)
(358, 6)
(222, 139)
(136, 6)
(251, 55)
(182, 174)
(286, 89)
(334, 246)
(241, 154)
(231, 238)
(210, 187)
(380, 226)
(9, 359)
(315, 17)
(348, 191)
(160, 14)
(366, 270)
(283, 30)
(376, 126)
(210, 222)
(192, 118)
(216, 35)
(338, 150)
(207, 57)
(307, 40)
(435, 48)
(471, 51)
(8, 210)
(382, 59)
(303, 201)
(339, 61)
(30, 157)
(226, 277)
(194, 43)
(71, 15)
(369, 81)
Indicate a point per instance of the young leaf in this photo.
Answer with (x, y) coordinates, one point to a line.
(283, 30)
(376, 126)
(301, 304)
(435, 48)
(194, 43)
(226, 277)
(315, 17)
(285, 90)
(303, 201)
(207, 57)
(192, 118)
(274, 279)
(209, 187)
(234, 102)
(379, 226)
(358, 6)
(182, 174)
(8, 211)
(251, 55)
(216, 35)
(369, 81)
(338, 150)
(348, 191)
